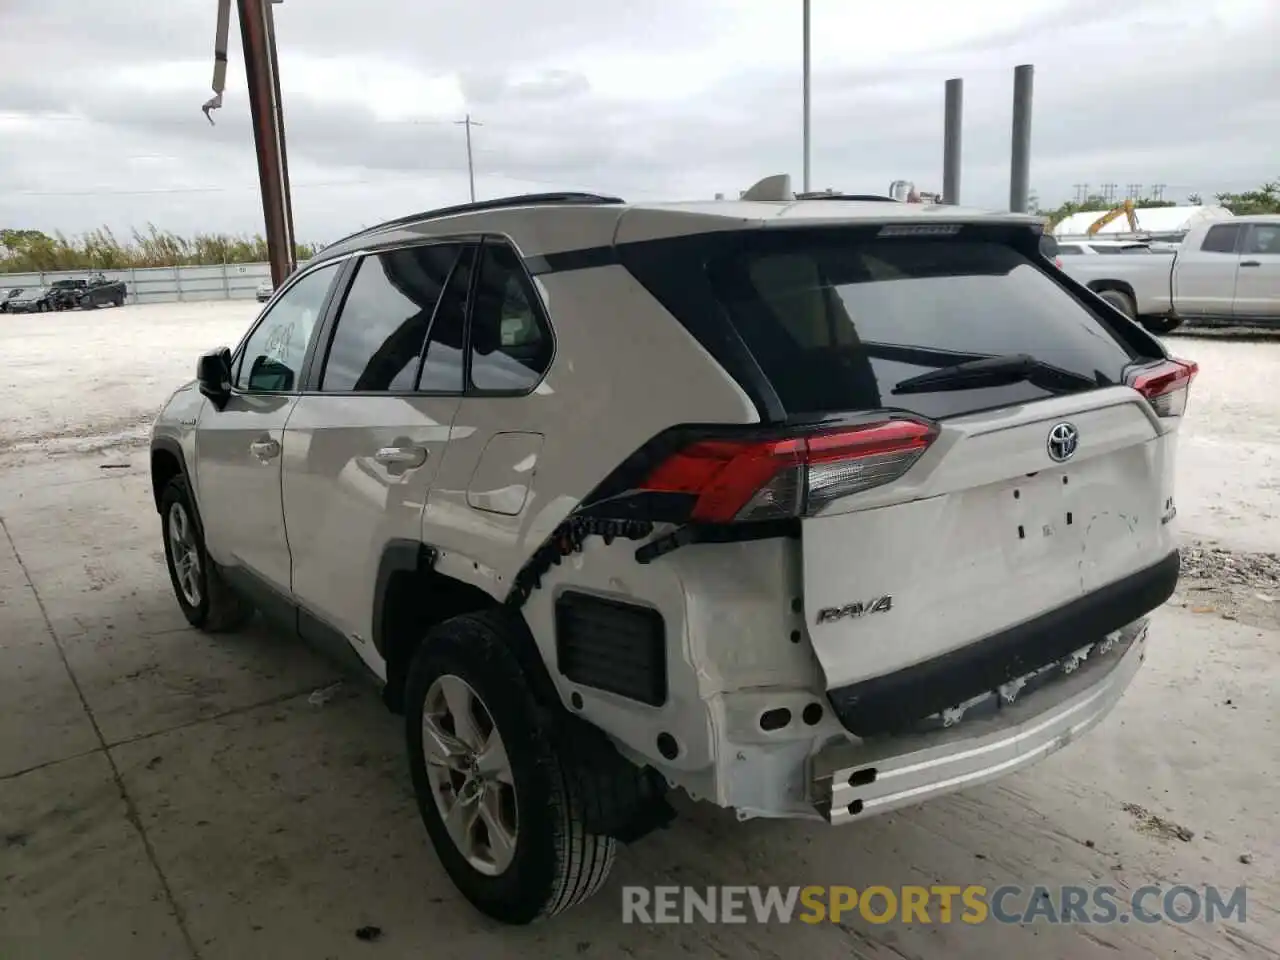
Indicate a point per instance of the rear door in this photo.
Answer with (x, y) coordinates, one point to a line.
(1033, 494)
(1258, 281)
(367, 436)
(1204, 280)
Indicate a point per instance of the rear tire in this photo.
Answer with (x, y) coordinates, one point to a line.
(550, 861)
(206, 600)
(1121, 301)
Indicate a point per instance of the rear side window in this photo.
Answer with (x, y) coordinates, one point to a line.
(510, 344)
(377, 344)
(835, 319)
(1069, 249)
(1221, 239)
(1263, 238)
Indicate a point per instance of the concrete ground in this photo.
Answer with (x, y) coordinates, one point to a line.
(165, 794)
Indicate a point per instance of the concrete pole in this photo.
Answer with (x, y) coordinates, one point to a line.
(1020, 162)
(807, 66)
(953, 116)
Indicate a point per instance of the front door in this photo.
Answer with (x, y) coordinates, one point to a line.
(369, 432)
(238, 448)
(1258, 282)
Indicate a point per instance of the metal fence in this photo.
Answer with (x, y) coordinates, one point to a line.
(228, 281)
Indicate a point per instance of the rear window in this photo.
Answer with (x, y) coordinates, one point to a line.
(836, 321)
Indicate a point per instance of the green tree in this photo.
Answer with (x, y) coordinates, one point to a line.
(1265, 199)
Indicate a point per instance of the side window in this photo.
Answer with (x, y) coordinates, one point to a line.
(510, 343)
(442, 366)
(378, 338)
(1263, 238)
(1068, 249)
(1221, 239)
(272, 358)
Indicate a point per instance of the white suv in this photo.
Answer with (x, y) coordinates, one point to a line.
(810, 508)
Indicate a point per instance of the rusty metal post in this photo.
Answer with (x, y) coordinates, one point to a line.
(257, 34)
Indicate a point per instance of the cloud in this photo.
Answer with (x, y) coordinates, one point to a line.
(647, 99)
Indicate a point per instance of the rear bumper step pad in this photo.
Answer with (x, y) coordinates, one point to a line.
(894, 702)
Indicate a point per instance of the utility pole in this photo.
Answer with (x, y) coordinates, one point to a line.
(807, 66)
(1020, 161)
(1108, 192)
(471, 168)
(1157, 191)
(1134, 191)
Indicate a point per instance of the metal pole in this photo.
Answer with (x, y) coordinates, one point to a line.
(1020, 163)
(268, 133)
(807, 125)
(953, 116)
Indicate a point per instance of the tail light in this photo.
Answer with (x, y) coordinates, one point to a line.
(1166, 385)
(740, 480)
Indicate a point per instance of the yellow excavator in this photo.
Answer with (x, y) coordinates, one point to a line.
(1125, 208)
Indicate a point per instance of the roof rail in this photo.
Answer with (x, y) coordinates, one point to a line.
(497, 203)
(864, 197)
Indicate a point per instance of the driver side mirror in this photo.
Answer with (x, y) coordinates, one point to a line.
(213, 372)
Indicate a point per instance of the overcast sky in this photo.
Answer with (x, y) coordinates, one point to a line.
(100, 118)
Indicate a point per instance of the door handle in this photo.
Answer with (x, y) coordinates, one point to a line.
(401, 456)
(1250, 263)
(265, 450)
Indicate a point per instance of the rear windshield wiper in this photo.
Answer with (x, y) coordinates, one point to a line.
(995, 372)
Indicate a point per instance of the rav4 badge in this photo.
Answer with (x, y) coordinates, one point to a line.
(859, 608)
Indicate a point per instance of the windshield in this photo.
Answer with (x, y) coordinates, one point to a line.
(33, 292)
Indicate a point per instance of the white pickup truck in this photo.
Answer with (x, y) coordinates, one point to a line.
(1223, 272)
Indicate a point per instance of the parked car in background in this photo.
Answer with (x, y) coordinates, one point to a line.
(99, 291)
(66, 293)
(1224, 271)
(6, 296)
(32, 300)
(265, 290)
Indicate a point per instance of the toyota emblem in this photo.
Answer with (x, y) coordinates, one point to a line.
(1062, 443)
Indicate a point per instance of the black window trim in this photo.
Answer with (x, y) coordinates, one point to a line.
(328, 326)
(1239, 228)
(343, 264)
(315, 374)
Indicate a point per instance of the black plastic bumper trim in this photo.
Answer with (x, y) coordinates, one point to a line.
(891, 703)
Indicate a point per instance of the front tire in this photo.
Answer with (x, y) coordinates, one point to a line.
(206, 600)
(498, 797)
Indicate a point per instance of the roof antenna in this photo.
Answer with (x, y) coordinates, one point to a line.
(777, 187)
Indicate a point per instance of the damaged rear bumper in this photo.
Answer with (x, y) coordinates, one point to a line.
(854, 780)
